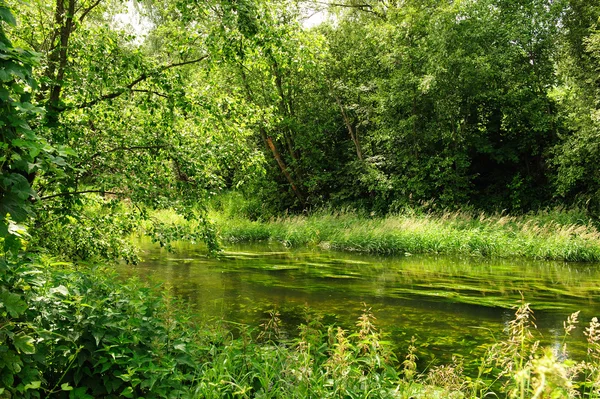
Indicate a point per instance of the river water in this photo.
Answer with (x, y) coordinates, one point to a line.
(451, 305)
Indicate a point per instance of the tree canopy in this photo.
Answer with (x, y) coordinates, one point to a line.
(383, 105)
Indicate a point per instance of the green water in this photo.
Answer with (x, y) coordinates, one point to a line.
(453, 306)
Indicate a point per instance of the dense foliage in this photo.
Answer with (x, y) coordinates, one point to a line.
(79, 334)
(388, 104)
(383, 105)
(490, 103)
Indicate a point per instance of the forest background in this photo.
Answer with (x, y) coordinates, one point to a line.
(384, 107)
(491, 105)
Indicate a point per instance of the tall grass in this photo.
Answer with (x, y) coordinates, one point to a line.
(550, 235)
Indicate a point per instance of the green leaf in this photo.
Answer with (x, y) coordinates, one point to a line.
(20, 186)
(127, 392)
(58, 161)
(8, 379)
(5, 76)
(180, 347)
(4, 94)
(13, 303)
(66, 387)
(65, 151)
(61, 289)
(33, 385)
(7, 16)
(17, 230)
(34, 147)
(12, 70)
(13, 205)
(79, 393)
(98, 334)
(24, 343)
(28, 107)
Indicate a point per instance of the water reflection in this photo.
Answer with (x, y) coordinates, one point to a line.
(451, 305)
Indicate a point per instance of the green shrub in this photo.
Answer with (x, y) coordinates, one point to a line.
(83, 334)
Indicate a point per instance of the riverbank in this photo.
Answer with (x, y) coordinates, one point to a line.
(103, 337)
(548, 235)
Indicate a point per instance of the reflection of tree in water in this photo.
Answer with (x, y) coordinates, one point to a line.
(183, 285)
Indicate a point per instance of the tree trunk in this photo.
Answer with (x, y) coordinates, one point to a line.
(57, 60)
(271, 145)
(352, 131)
(285, 109)
(281, 164)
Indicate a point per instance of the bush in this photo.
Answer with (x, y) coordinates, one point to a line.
(83, 334)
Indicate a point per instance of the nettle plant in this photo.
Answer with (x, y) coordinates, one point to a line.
(22, 155)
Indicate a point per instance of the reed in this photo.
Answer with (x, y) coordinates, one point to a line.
(547, 235)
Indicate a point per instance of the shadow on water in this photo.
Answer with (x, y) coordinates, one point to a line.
(452, 305)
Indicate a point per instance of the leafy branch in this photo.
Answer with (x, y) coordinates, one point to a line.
(87, 10)
(361, 7)
(129, 87)
(68, 193)
(150, 92)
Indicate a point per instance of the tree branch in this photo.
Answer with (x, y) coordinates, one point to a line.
(79, 192)
(362, 7)
(151, 92)
(130, 86)
(87, 10)
(112, 95)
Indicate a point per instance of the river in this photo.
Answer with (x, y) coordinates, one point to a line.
(451, 305)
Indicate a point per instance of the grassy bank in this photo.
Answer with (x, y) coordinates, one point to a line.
(68, 332)
(549, 235)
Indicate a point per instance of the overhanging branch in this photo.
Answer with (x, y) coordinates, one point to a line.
(132, 84)
(87, 10)
(361, 7)
(66, 194)
(150, 92)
